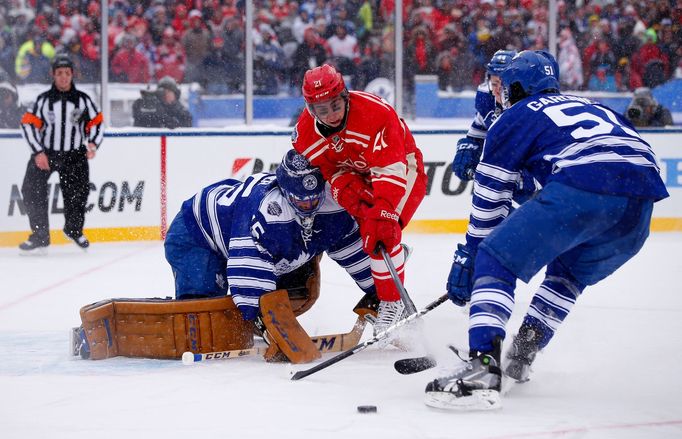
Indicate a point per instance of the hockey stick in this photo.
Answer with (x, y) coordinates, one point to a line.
(324, 343)
(409, 304)
(408, 366)
(357, 348)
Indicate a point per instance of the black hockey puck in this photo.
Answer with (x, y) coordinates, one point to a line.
(367, 409)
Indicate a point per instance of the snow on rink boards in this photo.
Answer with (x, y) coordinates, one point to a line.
(613, 371)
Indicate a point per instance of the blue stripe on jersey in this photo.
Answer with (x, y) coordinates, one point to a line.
(349, 254)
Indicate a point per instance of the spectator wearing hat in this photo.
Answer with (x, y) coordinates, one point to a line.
(181, 19)
(268, 63)
(161, 108)
(213, 68)
(650, 63)
(233, 51)
(171, 57)
(602, 68)
(309, 54)
(196, 42)
(32, 64)
(345, 52)
(570, 66)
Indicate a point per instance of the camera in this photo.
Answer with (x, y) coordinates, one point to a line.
(634, 112)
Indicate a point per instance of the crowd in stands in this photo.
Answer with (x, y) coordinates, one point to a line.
(609, 45)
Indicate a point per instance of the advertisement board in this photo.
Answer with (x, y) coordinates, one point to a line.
(139, 179)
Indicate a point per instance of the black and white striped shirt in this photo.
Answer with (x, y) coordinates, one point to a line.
(62, 121)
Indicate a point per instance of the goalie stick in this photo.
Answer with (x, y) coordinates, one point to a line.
(357, 348)
(324, 343)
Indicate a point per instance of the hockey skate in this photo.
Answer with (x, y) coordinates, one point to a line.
(388, 314)
(522, 353)
(474, 385)
(81, 241)
(33, 246)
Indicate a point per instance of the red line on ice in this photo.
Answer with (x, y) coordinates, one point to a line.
(553, 433)
(67, 280)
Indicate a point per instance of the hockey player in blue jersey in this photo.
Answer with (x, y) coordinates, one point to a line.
(488, 108)
(600, 181)
(488, 103)
(249, 238)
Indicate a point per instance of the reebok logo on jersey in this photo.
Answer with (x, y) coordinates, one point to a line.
(389, 215)
(335, 194)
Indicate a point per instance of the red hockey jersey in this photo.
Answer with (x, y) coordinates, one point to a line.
(374, 143)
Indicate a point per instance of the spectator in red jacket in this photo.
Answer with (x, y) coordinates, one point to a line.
(650, 63)
(171, 57)
(129, 65)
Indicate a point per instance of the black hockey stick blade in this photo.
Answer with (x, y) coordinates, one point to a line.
(431, 306)
(408, 366)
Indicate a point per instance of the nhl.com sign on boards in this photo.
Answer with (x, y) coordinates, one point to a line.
(440, 176)
(110, 197)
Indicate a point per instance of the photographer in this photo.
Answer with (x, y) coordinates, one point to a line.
(161, 108)
(645, 111)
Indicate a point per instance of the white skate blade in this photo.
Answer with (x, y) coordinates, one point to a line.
(479, 400)
(40, 251)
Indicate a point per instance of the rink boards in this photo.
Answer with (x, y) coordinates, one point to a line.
(140, 178)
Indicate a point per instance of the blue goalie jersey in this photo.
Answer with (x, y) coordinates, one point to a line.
(567, 139)
(257, 231)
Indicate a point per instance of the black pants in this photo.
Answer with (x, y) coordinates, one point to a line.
(74, 180)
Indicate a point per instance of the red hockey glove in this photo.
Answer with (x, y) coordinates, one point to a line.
(352, 193)
(380, 225)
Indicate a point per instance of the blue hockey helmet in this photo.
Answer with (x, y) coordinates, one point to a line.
(301, 183)
(499, 62)
(529, 73)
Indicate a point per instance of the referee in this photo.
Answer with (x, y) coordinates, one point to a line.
(63, 130)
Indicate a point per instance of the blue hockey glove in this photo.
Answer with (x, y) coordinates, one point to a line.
(525, 187)
(466, 158)
(461, 275)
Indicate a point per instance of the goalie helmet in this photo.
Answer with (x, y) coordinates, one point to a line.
(529, 73)
(301, 183)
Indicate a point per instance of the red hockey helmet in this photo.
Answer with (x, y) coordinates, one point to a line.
(322, 84)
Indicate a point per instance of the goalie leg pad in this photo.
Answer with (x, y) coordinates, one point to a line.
(303, 285)
(163, 328)
(284, 330)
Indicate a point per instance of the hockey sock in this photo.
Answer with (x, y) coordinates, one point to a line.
(552, 302)
(383, 282)
(492, 302)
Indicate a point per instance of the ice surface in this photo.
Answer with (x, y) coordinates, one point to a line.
(612, 371)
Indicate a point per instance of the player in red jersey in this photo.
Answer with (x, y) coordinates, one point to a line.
(368, 155)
